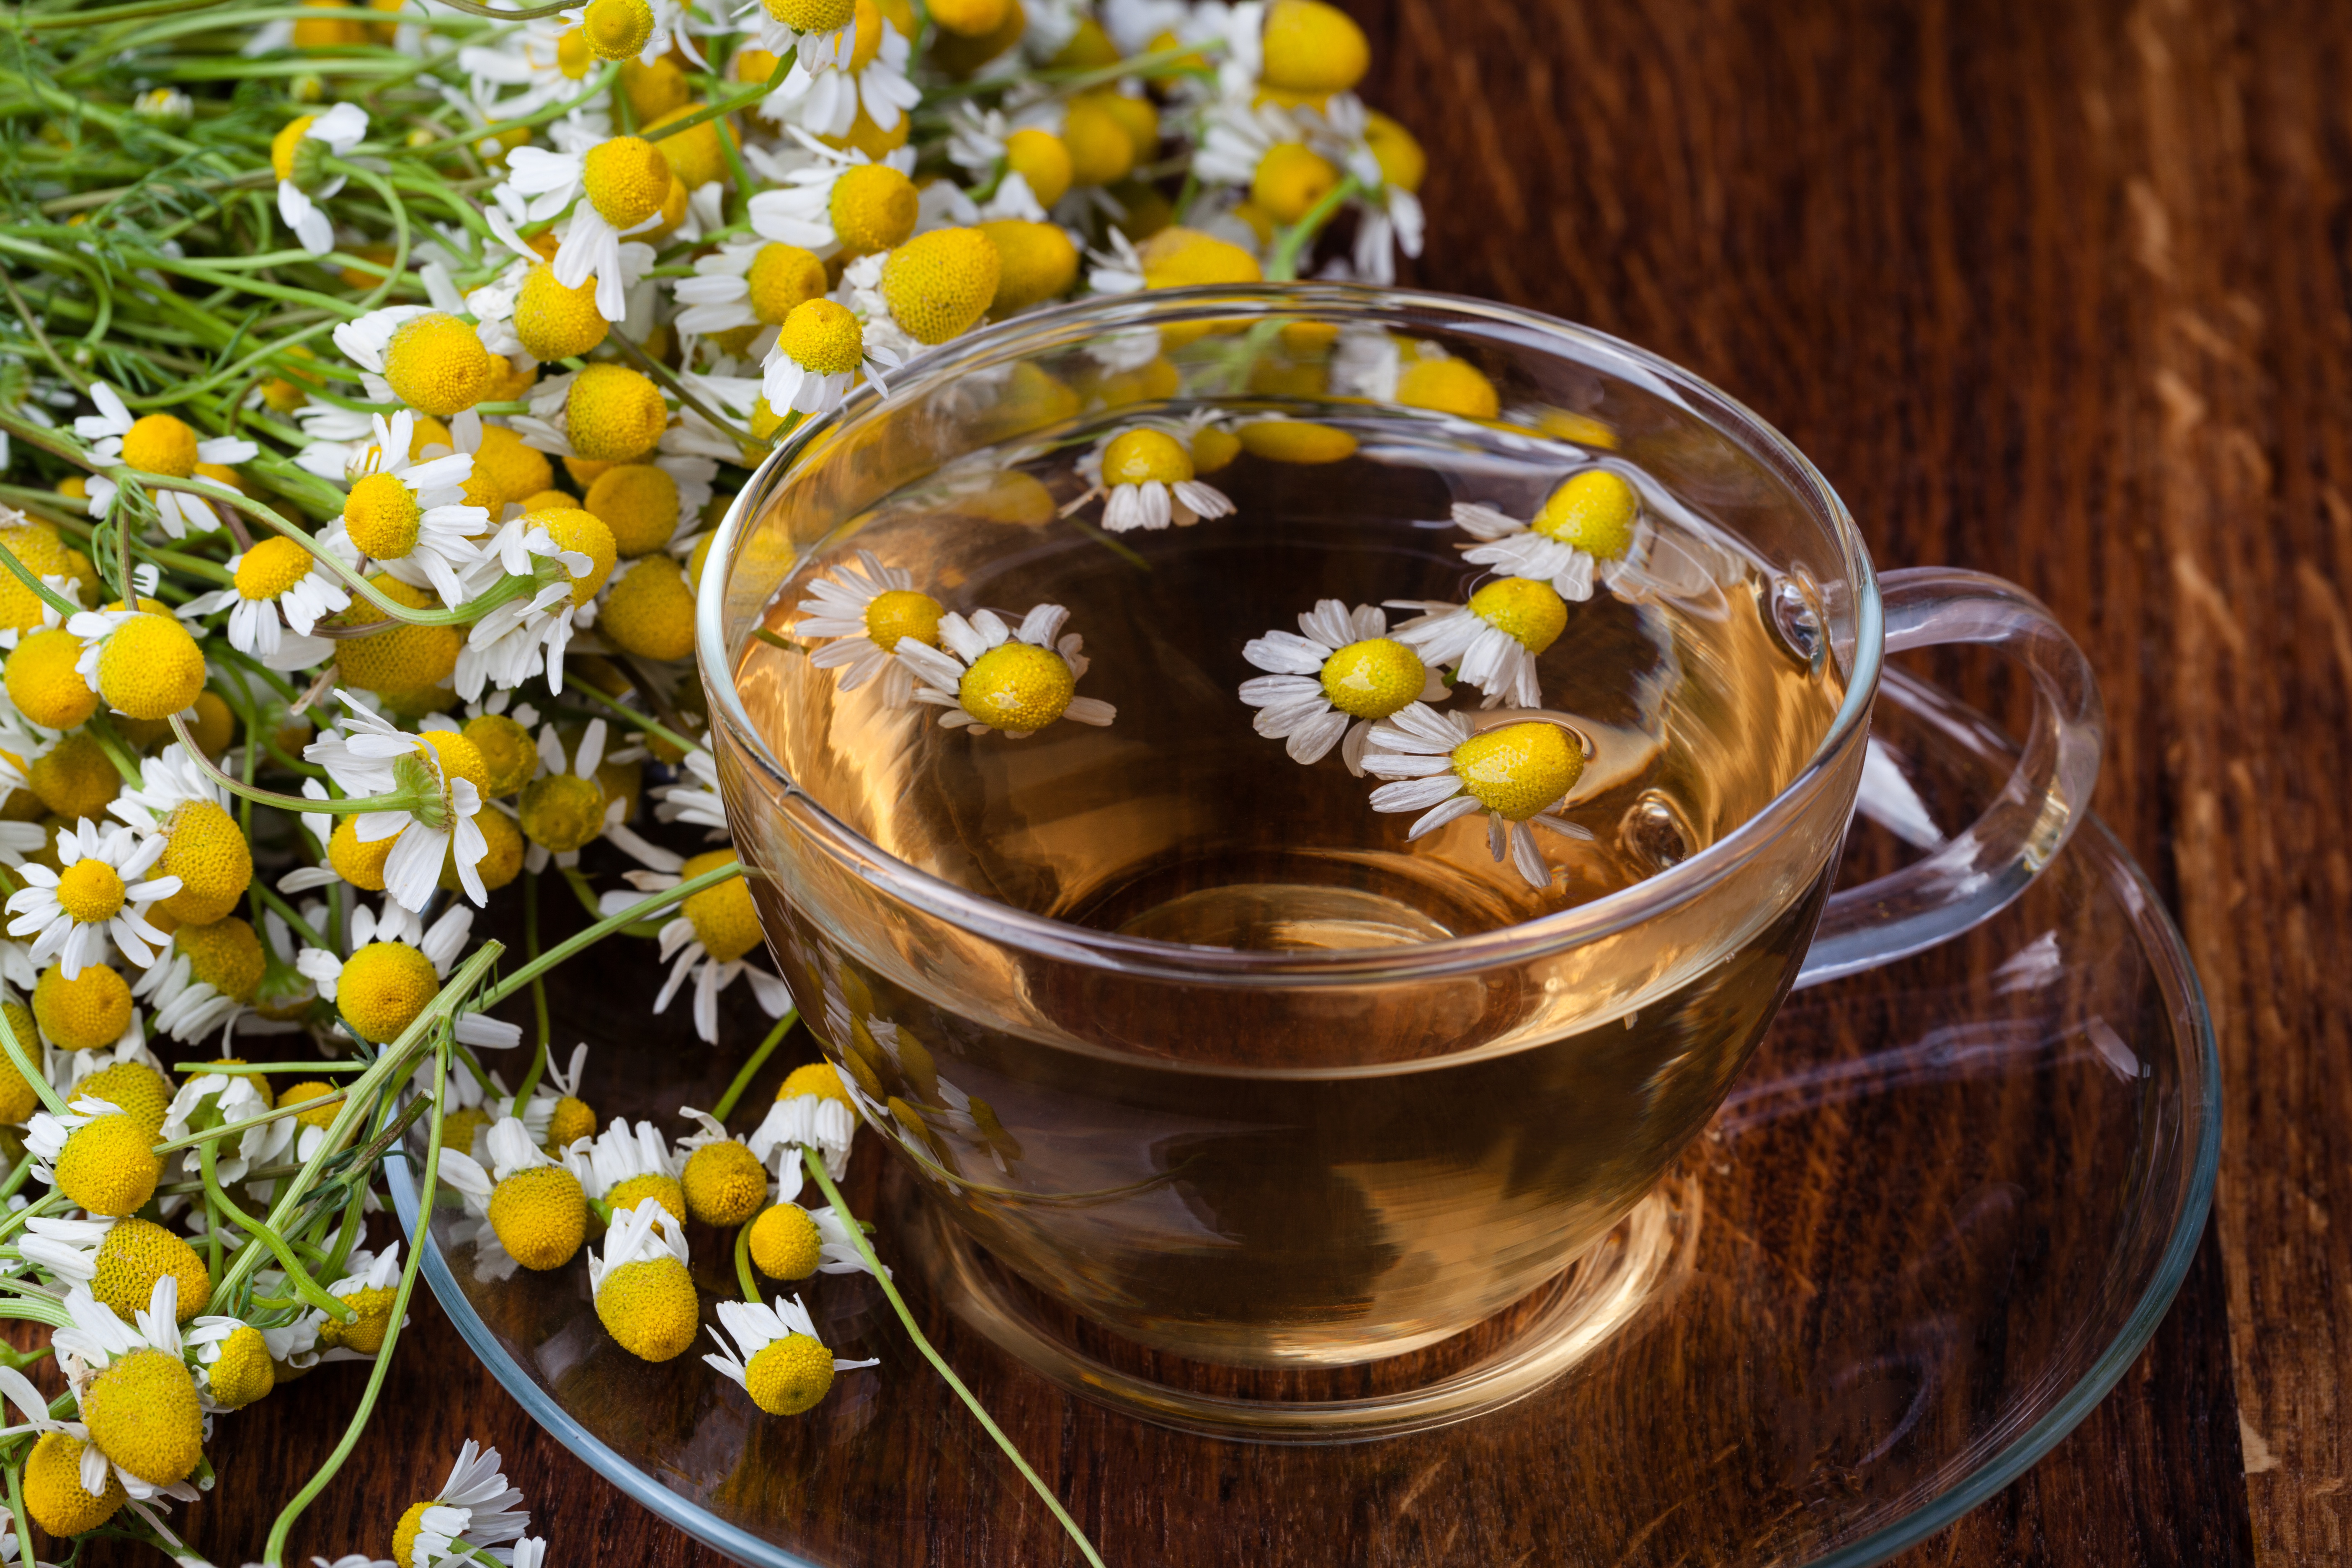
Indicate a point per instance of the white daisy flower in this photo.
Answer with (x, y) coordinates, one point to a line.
(541, 185)
(815, 1122)
(1389, 216)
(1118, 268)
(522, 638)
(216, 1099)
(1236, 134)
(511, 1144)
(364, 1270)
(475, 1508)
(1517, 773)
(68, 1248)
(96, 1340)
(621, 1156)
(1590, 517)
(99, 895)
(777, 1386)
(442, 943)
(430, 811)
(821, 351)
(835, 73)
(1146, 475)
(529, 57)
(167, 781)
(1493, 641)
(276, 588)
(584, 759)
(801, 212)
(988, 675)
(208, 1335)
(410, 514)
(300, 184)
(870, 611)
(178, 512)
(186, 1008)
(706, 943)
(640, 1234)
(46, 1133)
(1335, 677)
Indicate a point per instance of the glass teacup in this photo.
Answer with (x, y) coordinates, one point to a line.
(1320, 1150)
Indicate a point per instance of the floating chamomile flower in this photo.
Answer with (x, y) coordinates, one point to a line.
(395, 971)
(156, 444)
(625, 180)
(820, 352)
(409, 515)
(97, 896)
(432, 784)
(1340, 673)
(119, 1260)
(138, 1399)
(475, 1510)
(990, 676)
(532, 1211)
(624, 1166)
(840, 200)
(776, 1356)
(645, 1297)
(870, 611)
(1492, 641)
(1517, 774)
(297, 156)
(279, 585)
(1590, 518)
(1147, 477)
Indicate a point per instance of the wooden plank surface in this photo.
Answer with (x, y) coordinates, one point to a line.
(2054, 291)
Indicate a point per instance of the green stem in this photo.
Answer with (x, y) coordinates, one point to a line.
(539, 982)
(816, 1165)
(759, 1060)
(1283, 267)
(297, 1276)
(277, 1114)
(750, 1286)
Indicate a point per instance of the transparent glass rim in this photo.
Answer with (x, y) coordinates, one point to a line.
(1508, 326)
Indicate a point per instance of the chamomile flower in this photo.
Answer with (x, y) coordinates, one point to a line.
(297, 156)
(531, 1210)
(707, 941)
(430, 360)
(432, 786)
(119, 1260)
(138, 1399)
(1590, 517)
(569, 554)
(156, 444)
(369, 1288)
(822, 1121)
(475, 1508)
(1388, 164)
(1335, 677)
(206, 978)
(410, 515)
(823, 32)
(789, 1242)
(1147, 478)
(988, 675)
(643, 1295)
(750, 285)
(564, 809)
(69, 1488)
(213, 1099)
(625, 180)
(694, 797)
(840, 200)
(98, 897)
(546, 59)
(395, 968)
(838, 70)
(821, 351)
(775, 1355)
(1493, 641)
(624, 1166)
(235, 1362)
(279, 585)
(724, 1183)
(870, 610)
(1517, 774)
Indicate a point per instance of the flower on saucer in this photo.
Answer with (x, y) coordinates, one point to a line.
(156, 444)
(1589, 519)
(278, 584)
(1515, 773)
(1337, 675)
(812, 1110)
(475, 1510)
(776, 1356)
(871, 611)
(1147, 477)
(96, 896)
(1492, 641)
(624, 1166)
(395, 970)
(295, 152)
(988, 675)
(531, 1210)
(643, 1296)
(369, 1288)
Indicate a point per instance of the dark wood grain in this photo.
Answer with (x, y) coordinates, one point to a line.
(2055, 291)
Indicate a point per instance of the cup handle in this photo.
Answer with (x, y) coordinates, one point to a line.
(1974, 874)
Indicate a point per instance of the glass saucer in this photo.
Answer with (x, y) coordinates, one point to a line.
(1930, 1229)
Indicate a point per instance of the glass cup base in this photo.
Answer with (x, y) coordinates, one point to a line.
(1632, 1274)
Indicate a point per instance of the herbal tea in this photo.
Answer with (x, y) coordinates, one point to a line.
(1430, 684)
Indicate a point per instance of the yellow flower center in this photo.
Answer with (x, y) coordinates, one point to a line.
(873, 207)
(1017, 686)
(574, 55)
(243, 1372)
(437, 365)
(650, 612)
(1181, 258)
(1449, 387)
(1311, 47)
(144, 1414)
(789, 1375)
(1141, 457)
(1039, 158)
(650, 1308)
(214, 863)
(868, 44)
(1402, 163)
(651, 1187)
(508, 753)
(812, 15)
(384, 986)
(90, 890)
(1100, 151)
(562, 812)
(617, 30)
(639, 502)
(319, 1116)
(224, 954)
(555, 323)
(785, 1243)
(273, 567)
(1036, 261)
(151, 668)
(161, 444)
(626, 177)
(822, 337)
(614, 414)
(585, 533)
(938, 284)
(1373, 678)
(1519, 770)
(782, 278)
(381, 515)
(903, 613)
(366, 1334)
(697, 155)
(726, 921)
(45, 683)
(724, 1185)
(572, 1119)
(358, 861)
(137, 1253)
(107, 1166)
(511, 469)
(1530, 612)
(75, 780)
(142, 1093)
(540, 1216)
(402, 657)
(820, 1078)
(1594, 511)
(1290, 179)
(88, 1012)
(281, 146)
(52, 1490)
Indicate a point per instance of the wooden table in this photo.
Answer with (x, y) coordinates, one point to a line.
(2059, 292)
